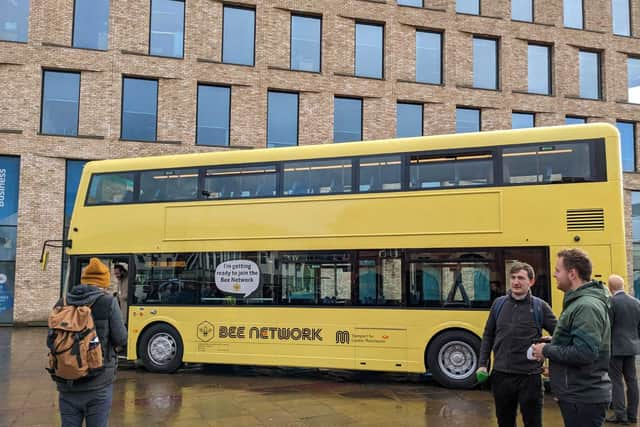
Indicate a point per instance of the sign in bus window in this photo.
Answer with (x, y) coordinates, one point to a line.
(451, 171)
(168, 185)
(317, 177)
(551, 163)
(380, 173)
(111, 188)
(241, 182)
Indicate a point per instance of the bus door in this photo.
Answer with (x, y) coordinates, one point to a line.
(379, 342)
(119, 277)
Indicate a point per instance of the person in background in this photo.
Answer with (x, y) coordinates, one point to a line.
(625, 344)
(580, 349)
(122, 276)
(515, 322)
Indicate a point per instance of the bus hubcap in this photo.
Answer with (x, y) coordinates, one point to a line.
(457, 360)
(162, 348)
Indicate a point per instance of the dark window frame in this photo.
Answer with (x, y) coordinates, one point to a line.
(230, 87)
(44, 71)
(497, 76)
(479, 110)
(533, 13)
(243, 7)
(635, 145)
(442, 54)
(361, 116)
(421, 104)
(157, 80)
(73, 29)
(532, 113)
(297, 117)
(305, 15)
(550, 52)
(382, 47)
(599, 56)
(582, 25)
(184, 26)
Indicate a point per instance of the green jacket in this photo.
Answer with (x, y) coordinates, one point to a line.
(580, 349)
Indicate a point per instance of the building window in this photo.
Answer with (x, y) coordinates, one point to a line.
(60, 103)
(633, 80)
(91, 24)
(369, 62)
(575, 120)
(428, 57)
(14, 20)
(10, 166)
(167, 28)
(305, 43)
(621, 14)
(523, 120)
(590, 75)
(627, 145)
(471, 7)
(573, 14)
(522, 10)
(539, 69)
(467, 120)
(347, 119)
(213, 118)
(414, 3)
(282, 119)
(409, 120)
(139, 109)
(485, 63)
(635, 238)
(238, 35)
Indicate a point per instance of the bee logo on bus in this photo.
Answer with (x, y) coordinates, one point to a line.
(342, 337)
(205, 331)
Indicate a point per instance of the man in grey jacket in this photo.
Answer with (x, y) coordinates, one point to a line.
(625, 344)
(90, 398)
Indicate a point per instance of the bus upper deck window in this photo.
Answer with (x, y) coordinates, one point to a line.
(111, 188)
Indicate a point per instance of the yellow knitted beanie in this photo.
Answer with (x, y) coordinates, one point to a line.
(96, 273)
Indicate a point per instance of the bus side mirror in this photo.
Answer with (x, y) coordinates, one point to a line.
(43, 260)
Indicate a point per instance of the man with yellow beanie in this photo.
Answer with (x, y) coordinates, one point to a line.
(90, 399)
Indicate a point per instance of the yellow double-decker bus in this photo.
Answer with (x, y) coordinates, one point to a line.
(378, 255)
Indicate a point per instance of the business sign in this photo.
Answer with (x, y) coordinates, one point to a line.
(9, 184)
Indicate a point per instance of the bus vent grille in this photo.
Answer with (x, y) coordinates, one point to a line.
(585, 219)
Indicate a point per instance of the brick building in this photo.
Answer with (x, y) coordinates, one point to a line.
(97, 79)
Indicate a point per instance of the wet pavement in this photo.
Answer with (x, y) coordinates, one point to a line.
(230, 396)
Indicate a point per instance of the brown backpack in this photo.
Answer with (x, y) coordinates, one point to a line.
(75, 352)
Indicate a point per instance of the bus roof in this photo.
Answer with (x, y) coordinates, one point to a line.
(435, 142)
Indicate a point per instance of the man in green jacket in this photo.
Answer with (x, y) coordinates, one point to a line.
(580, 349)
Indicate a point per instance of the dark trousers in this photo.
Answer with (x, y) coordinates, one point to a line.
(622, 369)
(583, 414)
(511, 390)
(93, 406)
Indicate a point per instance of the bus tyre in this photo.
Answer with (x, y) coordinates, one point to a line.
(161, 348)
(452, 359)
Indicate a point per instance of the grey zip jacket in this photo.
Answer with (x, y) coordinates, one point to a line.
(111, 332)
(580, 349)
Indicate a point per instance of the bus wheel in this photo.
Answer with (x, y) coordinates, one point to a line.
(161, 348)
(453, 359)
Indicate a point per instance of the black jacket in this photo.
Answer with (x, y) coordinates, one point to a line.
(111, 331)
(625, 325)
(512, 335)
